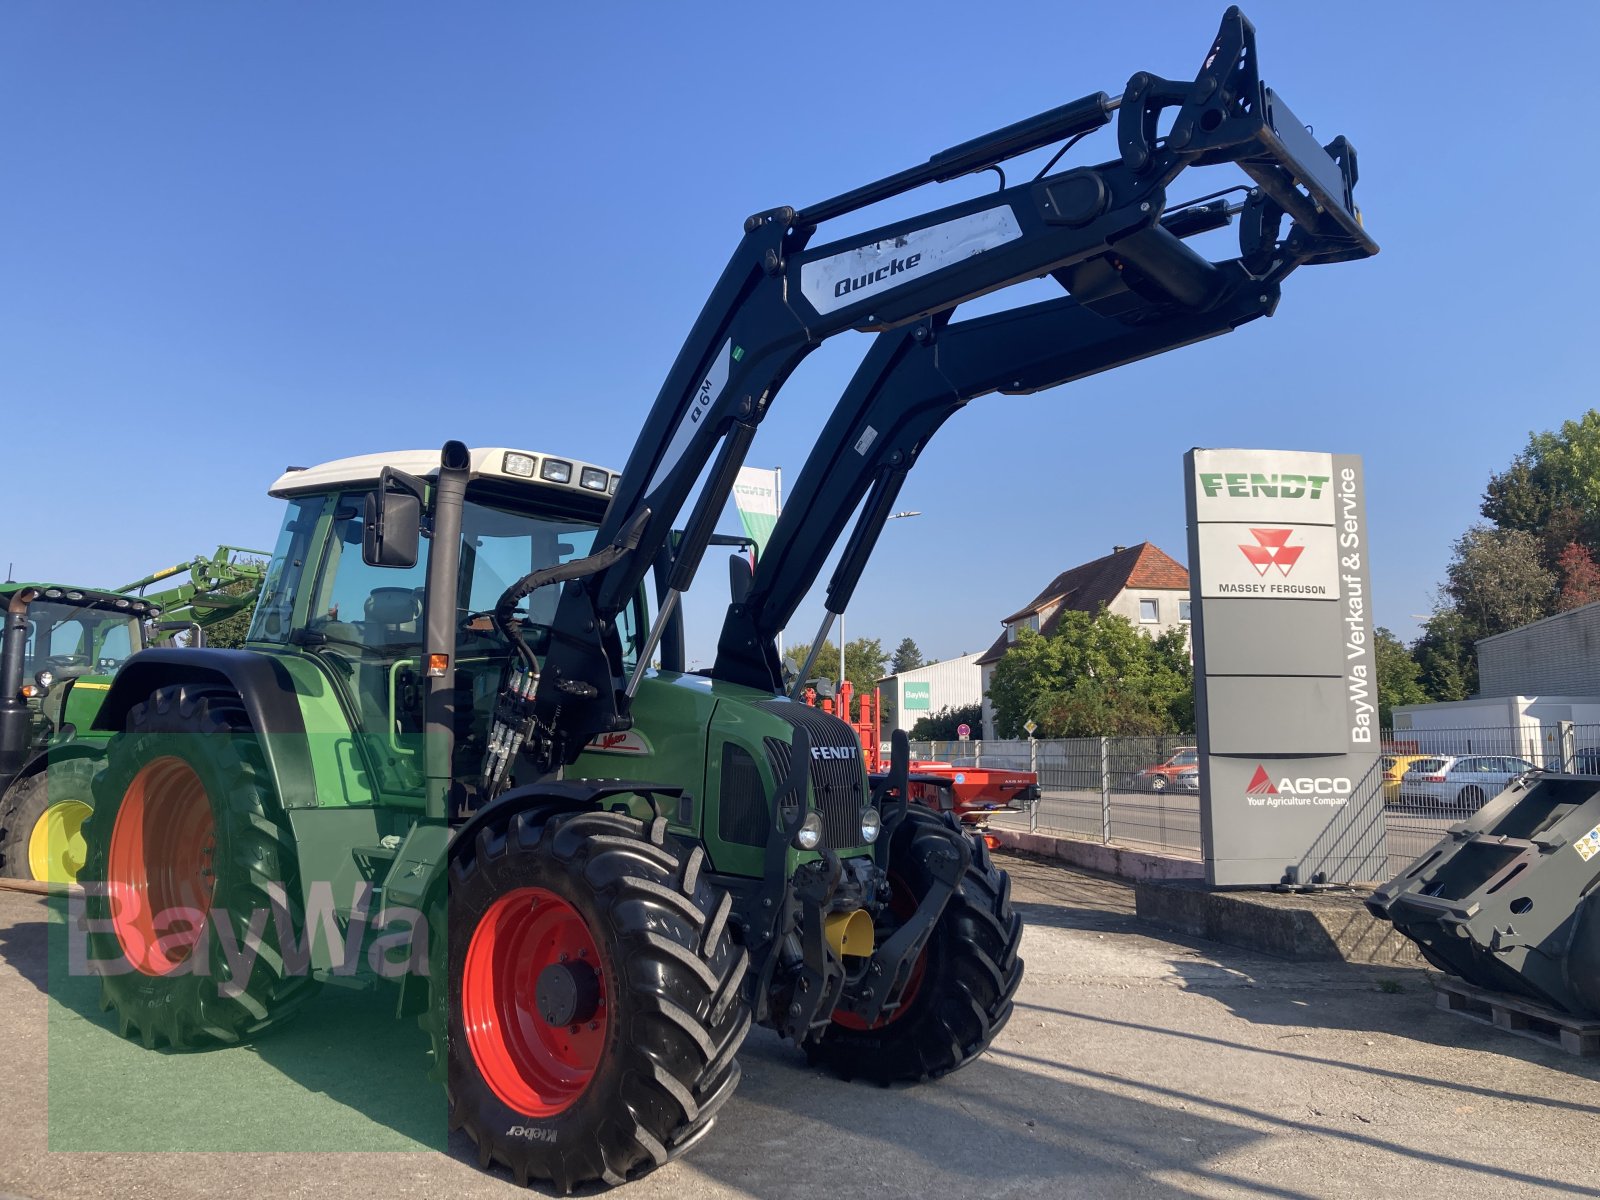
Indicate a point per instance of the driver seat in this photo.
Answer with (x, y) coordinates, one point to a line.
(391, 617)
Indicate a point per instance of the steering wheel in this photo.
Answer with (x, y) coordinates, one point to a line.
(65, 662)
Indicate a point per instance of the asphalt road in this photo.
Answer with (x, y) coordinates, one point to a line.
(1169, 822)
(1137, 1065)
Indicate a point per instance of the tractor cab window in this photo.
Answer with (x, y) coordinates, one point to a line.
(68, 640)
(286, 573)
(374, 607)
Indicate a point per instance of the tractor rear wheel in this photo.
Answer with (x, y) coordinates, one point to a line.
(191, 876)
(593, 999)
(41, 822)
(959, 995)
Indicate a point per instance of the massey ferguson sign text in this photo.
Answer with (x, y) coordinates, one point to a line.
(1272, 562)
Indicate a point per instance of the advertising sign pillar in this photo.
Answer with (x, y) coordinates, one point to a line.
(1286, 688)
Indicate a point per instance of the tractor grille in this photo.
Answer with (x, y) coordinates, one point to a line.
(837, 784)
(743, 815)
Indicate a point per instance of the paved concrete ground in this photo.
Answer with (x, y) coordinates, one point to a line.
(1137, 1065)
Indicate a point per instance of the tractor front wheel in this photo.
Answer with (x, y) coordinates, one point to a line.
(959, 994)
(41, 822)
(593, 1002)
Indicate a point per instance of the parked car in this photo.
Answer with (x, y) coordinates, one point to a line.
(1460, 781)
(1586, 761)
(1394, 767)
(1160, 777)
(1187, 780)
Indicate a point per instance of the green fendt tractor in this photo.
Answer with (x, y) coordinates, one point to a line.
(463, 708)
(62, 646)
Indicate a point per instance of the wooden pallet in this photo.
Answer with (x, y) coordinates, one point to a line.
(1519, 1015)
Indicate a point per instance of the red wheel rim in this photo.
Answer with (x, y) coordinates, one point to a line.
(533, 1067)
(159, 868)
(903, 905)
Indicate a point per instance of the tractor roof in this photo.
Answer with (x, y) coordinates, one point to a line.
(488, 462)
(82, 597)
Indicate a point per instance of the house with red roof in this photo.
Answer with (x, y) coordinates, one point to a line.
(1142, 583)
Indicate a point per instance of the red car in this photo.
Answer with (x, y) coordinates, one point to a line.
(1164, 775)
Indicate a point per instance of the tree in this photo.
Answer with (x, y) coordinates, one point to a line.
(1579, 575)
(1096, 674)
(863, 660)
(1552, 488)
(1447, 662)
(1399, 676)
(906, 657)
(943, 725)
(1497, 582)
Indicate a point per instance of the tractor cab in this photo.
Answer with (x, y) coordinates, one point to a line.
(63, 645)
(364, 623)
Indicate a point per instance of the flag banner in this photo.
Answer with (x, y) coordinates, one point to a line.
(755, 494)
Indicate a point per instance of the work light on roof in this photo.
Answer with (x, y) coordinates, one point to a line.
(518, 464)
(592, 478)
(556, 471)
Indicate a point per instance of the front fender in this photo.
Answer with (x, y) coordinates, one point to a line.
(261, 682)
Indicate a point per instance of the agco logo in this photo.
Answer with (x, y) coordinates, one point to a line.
(1305, 789)
(1272, 550)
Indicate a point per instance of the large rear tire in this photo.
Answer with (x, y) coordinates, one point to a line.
(186, 846)
(593, 1002)
(41, 822)
(960, 992)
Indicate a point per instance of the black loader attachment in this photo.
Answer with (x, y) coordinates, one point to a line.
(1508, 899)
(1106, 232)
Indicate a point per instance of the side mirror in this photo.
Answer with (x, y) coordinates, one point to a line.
(392, 522)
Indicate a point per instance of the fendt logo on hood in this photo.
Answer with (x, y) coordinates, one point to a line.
(1305, 789)
(833, 752)
(1272, 550)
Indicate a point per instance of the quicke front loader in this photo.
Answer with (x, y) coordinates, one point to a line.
(433, 735)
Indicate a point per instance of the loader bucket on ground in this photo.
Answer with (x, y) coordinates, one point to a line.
(1506, 900)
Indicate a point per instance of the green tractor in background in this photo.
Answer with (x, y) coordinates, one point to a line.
(61, 647)
(481, 768)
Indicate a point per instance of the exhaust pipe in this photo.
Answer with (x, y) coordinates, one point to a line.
(16, 723)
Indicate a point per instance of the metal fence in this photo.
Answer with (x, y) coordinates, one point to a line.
(1092, 787)
(1101, 788)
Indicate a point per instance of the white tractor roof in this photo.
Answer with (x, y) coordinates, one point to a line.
(488, 462)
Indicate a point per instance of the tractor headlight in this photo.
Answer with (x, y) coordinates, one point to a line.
(871, 825)
(45, 679)
(517, 464)
(809, 835)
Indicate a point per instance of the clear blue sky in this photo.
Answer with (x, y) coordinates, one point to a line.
(237, 236)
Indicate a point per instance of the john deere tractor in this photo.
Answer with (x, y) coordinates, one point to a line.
(463, 709)
(61, 647)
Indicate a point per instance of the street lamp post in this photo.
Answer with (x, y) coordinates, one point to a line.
(910, 512)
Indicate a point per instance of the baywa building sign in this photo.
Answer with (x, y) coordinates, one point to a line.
(1285, 667)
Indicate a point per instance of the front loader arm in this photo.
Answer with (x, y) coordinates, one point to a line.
(780, 297)
(909, 384)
